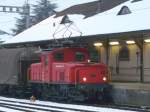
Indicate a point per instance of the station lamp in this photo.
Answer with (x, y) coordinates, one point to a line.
(114, 43)
(147, 40)
(98, 44)
(130, 42)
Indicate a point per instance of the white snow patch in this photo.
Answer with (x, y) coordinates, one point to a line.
(68, 106)
(8, 110)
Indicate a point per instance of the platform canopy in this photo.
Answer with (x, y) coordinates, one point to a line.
(132, 15)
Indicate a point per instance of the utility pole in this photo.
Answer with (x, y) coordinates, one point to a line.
(16, 9)
(27, 13)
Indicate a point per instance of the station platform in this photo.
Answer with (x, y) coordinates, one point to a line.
(137, 94)
(131, 86)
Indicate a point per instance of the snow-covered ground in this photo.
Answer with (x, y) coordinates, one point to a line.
(22, 105)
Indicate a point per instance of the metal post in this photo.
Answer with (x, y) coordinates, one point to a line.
(99, 54)
(17, 9)
(107, 51)
(141, 62)
(27, 13)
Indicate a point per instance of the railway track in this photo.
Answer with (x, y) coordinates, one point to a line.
(126, 107)
(27, 106)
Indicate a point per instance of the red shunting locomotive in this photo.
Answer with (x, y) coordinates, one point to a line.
(66, 73)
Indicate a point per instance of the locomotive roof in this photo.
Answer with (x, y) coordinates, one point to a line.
(108, 22)
(64, 48)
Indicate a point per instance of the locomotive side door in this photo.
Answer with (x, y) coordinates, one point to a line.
(45, 67)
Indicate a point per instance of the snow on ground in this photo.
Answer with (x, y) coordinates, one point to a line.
(3, 109)
(57, 105)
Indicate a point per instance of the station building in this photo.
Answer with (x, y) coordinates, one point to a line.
(120, 36)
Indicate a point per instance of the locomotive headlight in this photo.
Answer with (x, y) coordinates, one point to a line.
(104, 79)
(84, 79)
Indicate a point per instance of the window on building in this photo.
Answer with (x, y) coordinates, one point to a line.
(124, 10)
(124, 54)
(59, 56)
(79, 56)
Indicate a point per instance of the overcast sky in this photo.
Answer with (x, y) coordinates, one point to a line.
(7, 21)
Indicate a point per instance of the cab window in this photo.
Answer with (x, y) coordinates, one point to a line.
(46, 60)
(59, 56)
(94, 55)
(79, 56)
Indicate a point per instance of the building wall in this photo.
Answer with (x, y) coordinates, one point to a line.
(129, 70)
(125, 70)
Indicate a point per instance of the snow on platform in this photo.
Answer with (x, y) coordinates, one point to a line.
(102, 23)
(46, 106)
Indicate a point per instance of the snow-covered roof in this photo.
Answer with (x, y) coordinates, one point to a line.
(102, 23)
(5, 37)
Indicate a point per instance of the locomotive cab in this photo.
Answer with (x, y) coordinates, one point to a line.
(68, 65)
